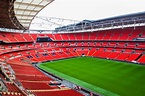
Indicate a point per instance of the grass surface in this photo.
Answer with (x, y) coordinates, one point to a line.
(104, 76)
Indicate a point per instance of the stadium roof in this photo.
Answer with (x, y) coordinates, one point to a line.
(26, 10)
(18, 14)
(135, 19)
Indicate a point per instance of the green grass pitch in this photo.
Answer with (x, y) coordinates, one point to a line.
(102, 76)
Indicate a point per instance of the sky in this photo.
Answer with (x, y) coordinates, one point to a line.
(84, 10)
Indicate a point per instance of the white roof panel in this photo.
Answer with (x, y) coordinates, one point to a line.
(26, 10)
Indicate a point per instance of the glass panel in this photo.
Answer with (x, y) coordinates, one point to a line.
(27, 1)
(31, 7)
(22, 7)
(44, 3)
(36, 2)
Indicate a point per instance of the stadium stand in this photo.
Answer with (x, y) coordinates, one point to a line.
(20, 50)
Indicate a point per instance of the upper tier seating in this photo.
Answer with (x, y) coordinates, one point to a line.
(114, 34)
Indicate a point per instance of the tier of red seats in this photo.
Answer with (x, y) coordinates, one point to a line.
(142, 59)
(60, 53)
(114, 34)
(38, 86)
(30, 77)
(58, 93)
(11, 87)
(33, 77)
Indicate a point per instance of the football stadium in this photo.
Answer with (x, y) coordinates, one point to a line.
(103, 57)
